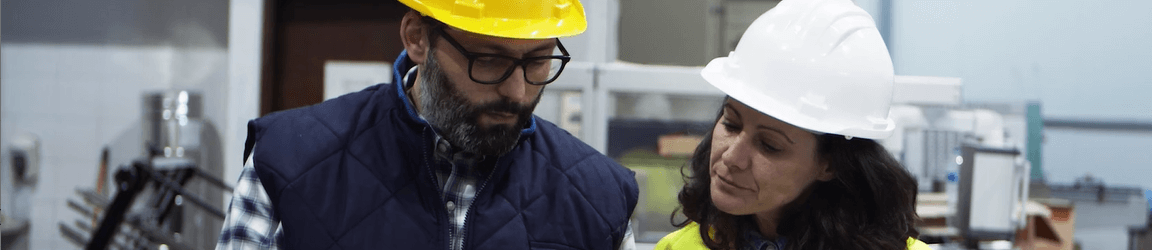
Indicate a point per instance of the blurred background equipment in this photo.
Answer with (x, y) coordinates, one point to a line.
(703, 29)
(650, 118)
(169, 196)
(1110, 217)
(992, 194)
(22, 174)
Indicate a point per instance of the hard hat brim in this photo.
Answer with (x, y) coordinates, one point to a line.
(717, 74)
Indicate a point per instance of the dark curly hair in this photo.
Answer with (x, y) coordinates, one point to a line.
(869, 204)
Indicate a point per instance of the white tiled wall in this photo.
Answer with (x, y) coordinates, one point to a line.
(80, 98)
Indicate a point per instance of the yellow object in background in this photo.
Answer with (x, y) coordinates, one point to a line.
(660, 180)
(678, 145)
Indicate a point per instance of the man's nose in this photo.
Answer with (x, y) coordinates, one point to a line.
(515, 87)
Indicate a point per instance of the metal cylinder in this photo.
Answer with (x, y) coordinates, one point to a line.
(176, 133)
(166, 114)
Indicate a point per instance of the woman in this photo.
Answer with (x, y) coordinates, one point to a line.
(790, 162)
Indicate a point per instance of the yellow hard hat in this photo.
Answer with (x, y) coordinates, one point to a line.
(525, 19)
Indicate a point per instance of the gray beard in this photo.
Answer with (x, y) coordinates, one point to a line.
(457, 120)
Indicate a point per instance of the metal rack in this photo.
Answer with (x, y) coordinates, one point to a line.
(145, 212)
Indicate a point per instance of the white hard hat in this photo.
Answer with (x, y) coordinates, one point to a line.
(820, 65)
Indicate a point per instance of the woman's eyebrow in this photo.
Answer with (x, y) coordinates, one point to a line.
(731, 110)
(777, 131)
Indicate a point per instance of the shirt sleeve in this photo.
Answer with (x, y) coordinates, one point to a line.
(629, 241)
(250, 222)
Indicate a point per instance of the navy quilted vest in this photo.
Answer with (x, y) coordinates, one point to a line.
(352, 173)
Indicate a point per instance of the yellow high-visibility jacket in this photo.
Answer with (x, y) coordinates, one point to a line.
(688, 238)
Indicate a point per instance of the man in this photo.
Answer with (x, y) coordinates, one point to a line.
(447, 157)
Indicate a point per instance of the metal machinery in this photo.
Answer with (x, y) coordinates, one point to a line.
(167, 198)
(20, 178)
(1001, 183)
(972, 155)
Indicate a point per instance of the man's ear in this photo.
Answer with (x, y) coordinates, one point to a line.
(413, 33)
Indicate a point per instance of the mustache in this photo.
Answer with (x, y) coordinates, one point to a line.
(503, 105)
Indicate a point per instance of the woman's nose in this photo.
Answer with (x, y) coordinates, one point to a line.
(738, 154)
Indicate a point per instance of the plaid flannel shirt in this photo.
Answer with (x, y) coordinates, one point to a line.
(758, 242)
(252, 224)
(460, 178)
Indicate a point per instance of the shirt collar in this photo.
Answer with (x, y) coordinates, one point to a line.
(758, 242)
(448, 153)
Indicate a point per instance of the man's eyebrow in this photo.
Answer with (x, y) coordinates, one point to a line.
(544, 47)
(505, 51)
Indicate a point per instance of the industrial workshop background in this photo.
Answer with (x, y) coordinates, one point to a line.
(1026, 122)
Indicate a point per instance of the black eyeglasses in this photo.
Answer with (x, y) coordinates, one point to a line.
(494, 68)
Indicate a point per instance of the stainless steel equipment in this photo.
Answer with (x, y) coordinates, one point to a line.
(20, 183)
(993, 189)
(171, 120)
(170, 196)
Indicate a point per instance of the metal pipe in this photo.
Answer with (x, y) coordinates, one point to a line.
(72, 236)
(1114, 125)
(83, 226)
(80, 208)
(91, 197)
(129, 183)
(213, 180)
(152, 233)
(185, 193)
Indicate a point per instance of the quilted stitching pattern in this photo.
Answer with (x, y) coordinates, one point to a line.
(344, 185)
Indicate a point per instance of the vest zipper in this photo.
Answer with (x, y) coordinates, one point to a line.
(438, 189)
(470, 212)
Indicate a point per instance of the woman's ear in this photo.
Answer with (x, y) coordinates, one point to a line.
(826, 173)
(413, 33)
